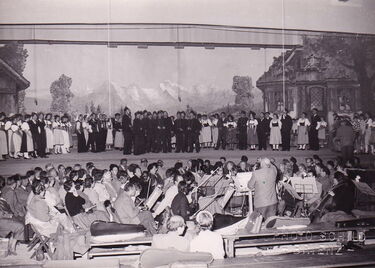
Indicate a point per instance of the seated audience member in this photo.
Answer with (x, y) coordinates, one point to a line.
(169, 196)
(10, 226)
(115, 177)
(128, 213)
(93, 196)
(82, 214)
(206, 240)
(39, 214)
(180, 204)
(323, 176)
(9, 194)
(108, 183)
(344, 194)
(174, 238)
(99, 187)
(23, 191)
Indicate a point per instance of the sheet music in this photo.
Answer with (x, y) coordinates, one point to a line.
(153, 198)
(305, 185)
(241, 181)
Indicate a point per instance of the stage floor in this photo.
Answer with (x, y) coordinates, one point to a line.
(104, 159)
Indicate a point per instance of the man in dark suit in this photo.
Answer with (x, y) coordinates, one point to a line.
(313, 132)
(127, 131)
(167, 145)
(286, 127)
(262, 132)
(222, 135)
(242, 131)
(179, 131)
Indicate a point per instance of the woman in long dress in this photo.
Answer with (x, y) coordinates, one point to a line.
(369, 124)
(252, 136)
(231, 125)
(117, 128)
(57, 135)
(65, 135)
(275, 136)
(109, 138)
(3, 138)
(81, 141)
(49, 132)
(214, 129)
(321, 127)
(16, 137)
(206, 131)
(86, 127)
(303, 137)
(27, 146)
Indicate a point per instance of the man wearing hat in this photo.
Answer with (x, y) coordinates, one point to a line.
(263, 182)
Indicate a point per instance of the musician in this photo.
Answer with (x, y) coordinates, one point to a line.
(169, 195)
(180, 204)
(130, 214)
(263, 183)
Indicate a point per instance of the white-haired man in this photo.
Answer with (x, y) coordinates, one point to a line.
(263, 182)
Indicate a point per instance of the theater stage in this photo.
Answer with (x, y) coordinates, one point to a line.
(104, 159)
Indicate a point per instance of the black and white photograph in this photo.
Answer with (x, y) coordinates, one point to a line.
(187, 133)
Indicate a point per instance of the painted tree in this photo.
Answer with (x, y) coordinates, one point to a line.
(61, 95)
(87, 109)
(354, 54)
(15, 55)
(99, 109)
(92, 107)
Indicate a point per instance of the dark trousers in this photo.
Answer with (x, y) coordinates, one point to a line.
(128, 142)
(92, 141)
(313, 140)
(285, 140)
(138, 144)
(81, 143)
(347, 152)
(180, 140)
(262, 139)
(101, 139)
(165, 142)
(242, 140)
(221, 139)
(192, 140)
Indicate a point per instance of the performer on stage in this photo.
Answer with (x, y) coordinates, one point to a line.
(242, 131)
(313, 133)
(275, 137)
(82, 147)
(286, 128)
(303, 138)
(179, 130)
(222, 133)
(127, 131)
(252, 137)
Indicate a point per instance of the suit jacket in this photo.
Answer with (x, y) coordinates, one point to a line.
(242, 124)
(264, 182)
(126, 124)
(286, 124)
(126, 209)
(11, 198)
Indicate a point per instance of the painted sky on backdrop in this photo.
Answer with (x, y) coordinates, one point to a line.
(90, 66)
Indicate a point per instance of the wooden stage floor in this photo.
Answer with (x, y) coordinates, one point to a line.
(102, 160)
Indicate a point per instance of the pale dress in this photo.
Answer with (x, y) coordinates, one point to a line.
(29, 138)
(252, 137)
(214, 130)
(206, 131)
(57, 133)
(3, 140)
(49, 134)
(109, 139)
(303, 136)
(16, 139)
(275, 136)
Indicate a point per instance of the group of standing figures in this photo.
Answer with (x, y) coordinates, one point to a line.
(155, 132)
(158, 132)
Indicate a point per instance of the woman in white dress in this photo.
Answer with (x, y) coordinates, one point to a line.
(303, 137)
(109, 138)
(206, 131)
(49, 132)
(85, 126)
(321, 127)
(252, 136)
(275, 136)
(3, 138)
(119, 136)
(16, 137)
(214, 129)
(65, 134)
(57, 134)
(27, 146)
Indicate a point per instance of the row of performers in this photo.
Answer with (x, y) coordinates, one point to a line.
(157, 132)
(34, 135)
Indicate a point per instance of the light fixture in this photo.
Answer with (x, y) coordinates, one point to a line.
(111, 45)
(209, 47)
(179, 47)
(255, 48)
